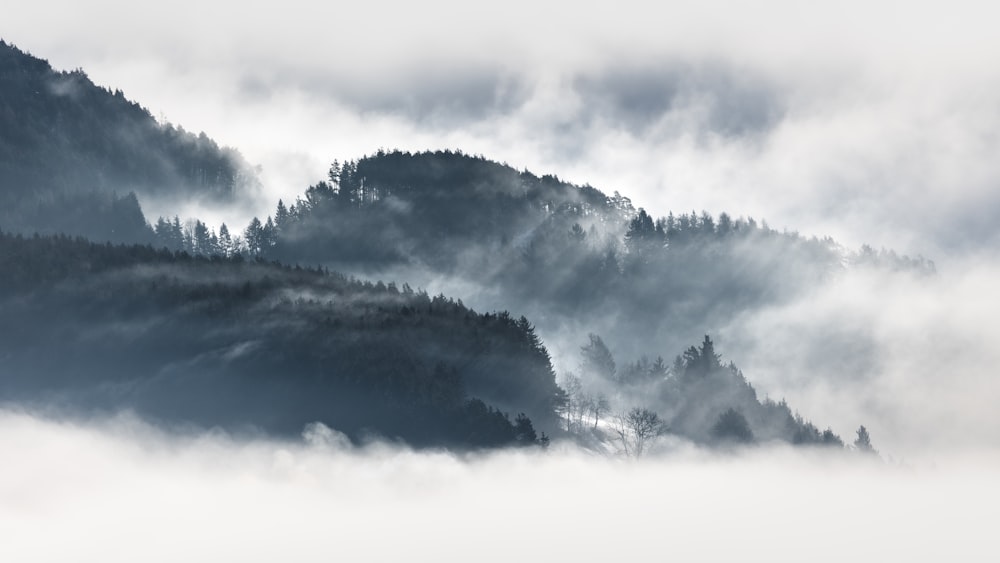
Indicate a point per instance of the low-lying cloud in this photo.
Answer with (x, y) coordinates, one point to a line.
(118, 490)
(909, 356)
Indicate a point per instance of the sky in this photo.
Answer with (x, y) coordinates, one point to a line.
(873, 122)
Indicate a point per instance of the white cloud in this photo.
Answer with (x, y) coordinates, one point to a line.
(911, 358)
(116, 490)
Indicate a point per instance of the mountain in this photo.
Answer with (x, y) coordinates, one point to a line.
(213, 330)
(72, 153)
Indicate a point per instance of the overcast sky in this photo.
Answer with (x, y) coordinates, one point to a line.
(873, 122)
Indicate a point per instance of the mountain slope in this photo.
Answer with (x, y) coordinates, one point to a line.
(235, 343)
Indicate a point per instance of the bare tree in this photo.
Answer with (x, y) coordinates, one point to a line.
(599, 406)
(637, 428)
(574, 401)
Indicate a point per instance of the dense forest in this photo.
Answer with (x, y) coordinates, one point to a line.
(235, 343)
(71, 153)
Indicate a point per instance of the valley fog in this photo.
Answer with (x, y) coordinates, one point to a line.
(116, 489)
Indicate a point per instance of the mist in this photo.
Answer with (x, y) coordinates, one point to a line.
(115, 489)
(862, 122)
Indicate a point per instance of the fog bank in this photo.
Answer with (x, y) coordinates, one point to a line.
(118, 490)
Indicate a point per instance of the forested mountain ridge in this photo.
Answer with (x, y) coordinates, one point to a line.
(563, 254)
(206, 331)
(236, 343)
(71, 152)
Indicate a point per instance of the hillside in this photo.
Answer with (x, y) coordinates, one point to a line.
(71, 152)
(245, 344)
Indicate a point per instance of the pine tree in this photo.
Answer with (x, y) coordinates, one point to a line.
(863, 443)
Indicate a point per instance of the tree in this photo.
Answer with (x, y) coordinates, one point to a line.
(574, 401)
(701, 361)
(863, 443)
(597, 359)
(334, 173)
(725, 224)
(281, 217)
(637, 428)
(318, 194)
(202, 239)
(643, 237)
(524, 431)
(269, 234)
(732, 426)
(225, 241)
(599, 405)
(253, 237)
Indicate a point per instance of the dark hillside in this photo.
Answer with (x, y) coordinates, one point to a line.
(237, 343)
(65, 142)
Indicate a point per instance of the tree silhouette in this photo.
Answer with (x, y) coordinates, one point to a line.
(863, 442)
(636, 429)
(732, 426)
(597, 359)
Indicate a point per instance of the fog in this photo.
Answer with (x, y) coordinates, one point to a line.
(115, 489)
(861, 121)
(910, 357)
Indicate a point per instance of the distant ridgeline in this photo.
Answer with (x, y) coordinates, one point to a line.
(238, 343)
(71, 153)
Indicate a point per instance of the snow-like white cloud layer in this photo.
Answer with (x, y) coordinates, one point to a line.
(117, 490)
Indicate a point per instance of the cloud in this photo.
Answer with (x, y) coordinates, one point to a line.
(910, 357)
(118, 490)
(859, 121)
(719, 100)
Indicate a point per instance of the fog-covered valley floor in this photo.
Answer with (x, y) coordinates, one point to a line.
(115, 489)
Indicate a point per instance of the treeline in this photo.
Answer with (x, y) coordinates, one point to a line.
(241, 343)
(697, 397)
(645, 238)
